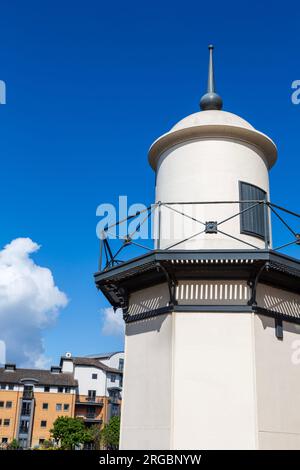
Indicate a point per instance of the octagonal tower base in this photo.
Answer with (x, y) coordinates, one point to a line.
(211, 344)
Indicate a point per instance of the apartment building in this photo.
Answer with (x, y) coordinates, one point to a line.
(100, 380)
(32, 399)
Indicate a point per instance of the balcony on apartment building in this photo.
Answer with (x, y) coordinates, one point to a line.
(114, 395)
(86, 401)
(90, 417)
(114, 400)
(93, 417)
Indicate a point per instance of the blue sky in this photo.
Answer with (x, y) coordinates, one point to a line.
(90, 85)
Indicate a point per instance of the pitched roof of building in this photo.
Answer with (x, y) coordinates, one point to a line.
(102, 355)
(91, 362)
(42, 377)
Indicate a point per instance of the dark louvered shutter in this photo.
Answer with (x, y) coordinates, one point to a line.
(252, 220)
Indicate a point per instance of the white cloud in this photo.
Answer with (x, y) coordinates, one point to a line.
(29, 302)
(113, 323)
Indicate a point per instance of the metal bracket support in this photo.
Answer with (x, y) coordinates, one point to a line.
(254, 282)
(172, 283)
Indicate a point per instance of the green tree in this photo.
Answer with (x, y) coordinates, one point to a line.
(94, 433)
(47, 444)
(110, 434)
(69, 432)
(13, 445)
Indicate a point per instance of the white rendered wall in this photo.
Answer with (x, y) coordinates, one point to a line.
(213, 381)
(113, 361)
(67, 365)
(278, 373)
(189, 383)
(207, 170)
(147, 299)
(41, 389)
(112, 384)
(207, 380)
(85, 382)
(278, 300)
(146, 405)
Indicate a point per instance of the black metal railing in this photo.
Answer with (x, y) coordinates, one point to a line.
(114, 400)
(110, 257)
(91, 400)
(86, 401)
(23, 430)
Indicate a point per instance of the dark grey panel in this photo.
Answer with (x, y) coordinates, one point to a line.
(252, 220)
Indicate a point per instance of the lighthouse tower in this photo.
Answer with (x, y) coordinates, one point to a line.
(213, 311)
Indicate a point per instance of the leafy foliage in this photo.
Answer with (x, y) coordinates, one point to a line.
(13, 445)
(94, 433)
(47, 445)
(110, 434)
(69, 432)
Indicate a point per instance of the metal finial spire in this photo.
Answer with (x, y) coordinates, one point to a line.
(211, 100)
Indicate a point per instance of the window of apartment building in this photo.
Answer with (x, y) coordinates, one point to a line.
(58, 406)
(60, 389)
(10, 387)
(24, 426)
(47, 389)
(43, 424)
(92, 394)
(45, 406)
(4, 440)
(6, 422)
(1, 404)
(23, 443)
(0, 422)
(41, 441)
(121, 381)
(26, 409)
(67, 389)
(28, 392)
(66, 407)
(121, 364)
(113, 378)
(94, 376)
(2, 386)
(8, 404)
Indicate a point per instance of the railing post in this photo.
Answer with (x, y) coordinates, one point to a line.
(101, 254)
(266, 224)
(159, 225)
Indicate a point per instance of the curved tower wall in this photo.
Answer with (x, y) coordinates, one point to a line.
(207, 170)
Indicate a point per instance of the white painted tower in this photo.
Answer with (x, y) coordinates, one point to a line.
(212, 313)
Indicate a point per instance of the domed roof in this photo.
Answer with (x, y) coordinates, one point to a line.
(213, 123)
(211, 117)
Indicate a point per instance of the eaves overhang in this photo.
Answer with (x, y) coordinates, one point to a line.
(214, 131)
(117, 282)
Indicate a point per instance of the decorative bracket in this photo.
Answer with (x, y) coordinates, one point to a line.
(172, 283)
(253, 283)
(253, 302)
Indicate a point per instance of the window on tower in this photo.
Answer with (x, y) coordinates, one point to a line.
(253, 218)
